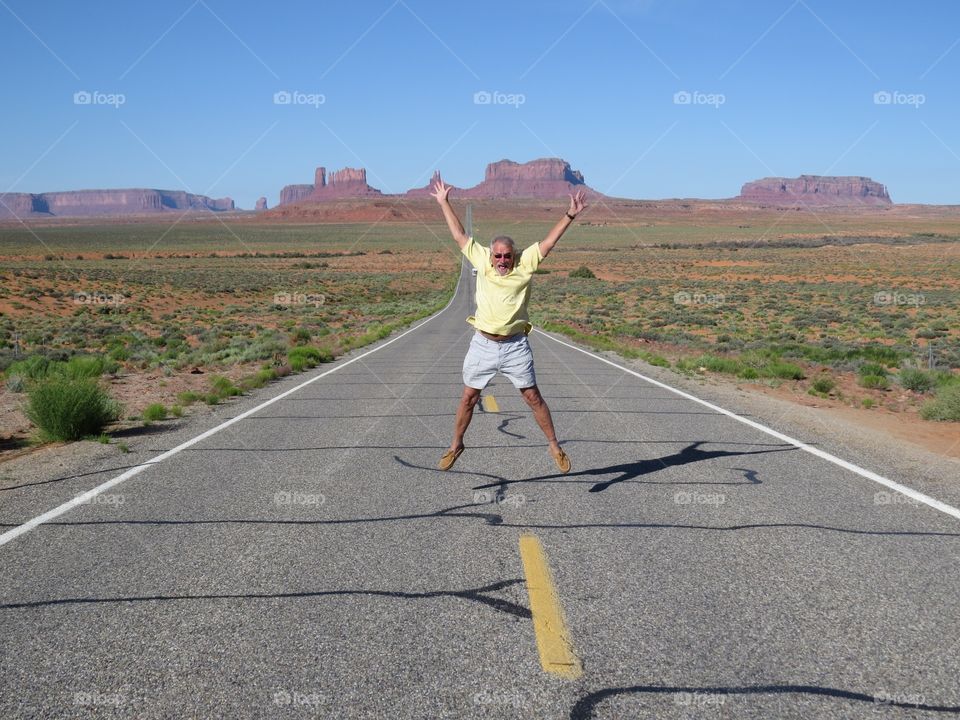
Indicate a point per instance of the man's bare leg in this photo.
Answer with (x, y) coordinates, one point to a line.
(541, 412)
(464, 415)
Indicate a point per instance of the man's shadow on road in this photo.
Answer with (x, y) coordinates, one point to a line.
(629, 471)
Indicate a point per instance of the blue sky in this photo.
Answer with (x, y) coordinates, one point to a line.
(774, 87)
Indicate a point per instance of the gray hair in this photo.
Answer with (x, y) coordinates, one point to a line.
(503, 240)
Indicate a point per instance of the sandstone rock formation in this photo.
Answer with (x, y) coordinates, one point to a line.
(346, 183)
(294, 193)
(85, 203)
(546, 178)
(261, 204)
(816, 190)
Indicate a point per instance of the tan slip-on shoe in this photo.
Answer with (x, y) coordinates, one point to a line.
(449, 458)
(562, 460)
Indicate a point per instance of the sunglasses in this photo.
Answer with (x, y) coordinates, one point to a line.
(503, 255)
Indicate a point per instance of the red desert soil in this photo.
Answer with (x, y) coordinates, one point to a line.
(940, 438)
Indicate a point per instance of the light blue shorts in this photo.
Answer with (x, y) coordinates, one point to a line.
(512, 357)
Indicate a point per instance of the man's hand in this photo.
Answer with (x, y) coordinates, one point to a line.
(577, 203)
(441, 191)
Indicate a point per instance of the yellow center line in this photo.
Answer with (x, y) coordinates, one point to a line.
(553, 638)
(490, 404)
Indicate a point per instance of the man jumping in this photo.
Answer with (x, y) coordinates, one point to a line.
(500, 343)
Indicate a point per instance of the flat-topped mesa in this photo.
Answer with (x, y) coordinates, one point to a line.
(544, 179)
(816, 190)
(294, 193)
(87, 203)
(345, 183)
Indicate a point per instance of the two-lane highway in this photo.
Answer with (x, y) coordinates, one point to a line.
(308, 560)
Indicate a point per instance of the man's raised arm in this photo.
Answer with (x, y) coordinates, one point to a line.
(577, 205)
(440, 192)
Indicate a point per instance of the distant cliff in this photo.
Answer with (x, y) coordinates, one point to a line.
(543, 179)
(87, 203)
(346, 183)
(816, 190)
(546, 178)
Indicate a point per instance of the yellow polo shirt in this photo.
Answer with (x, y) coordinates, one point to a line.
(502, 299)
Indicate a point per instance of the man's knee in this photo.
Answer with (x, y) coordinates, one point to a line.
(470, 397)
(532, 396)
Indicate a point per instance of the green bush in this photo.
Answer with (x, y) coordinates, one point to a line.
(189, 397)
(824, 384)
(258, 380)
(945, 406)
(871, 369)
(583, 272)
(34, 367)
(308, 356)
(876, 382)
(715, 363)
(86, 366)
(784, 370)
(69, 409)
(155, 412)
(224, 387)
(916, 380)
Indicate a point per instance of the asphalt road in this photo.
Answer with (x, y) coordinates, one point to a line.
(308, 561)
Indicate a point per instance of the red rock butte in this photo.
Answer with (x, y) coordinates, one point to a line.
(346, 183)
(815, 190)
(546, 178)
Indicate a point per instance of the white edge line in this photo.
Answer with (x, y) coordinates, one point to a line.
(869, 475)
(85, 497)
